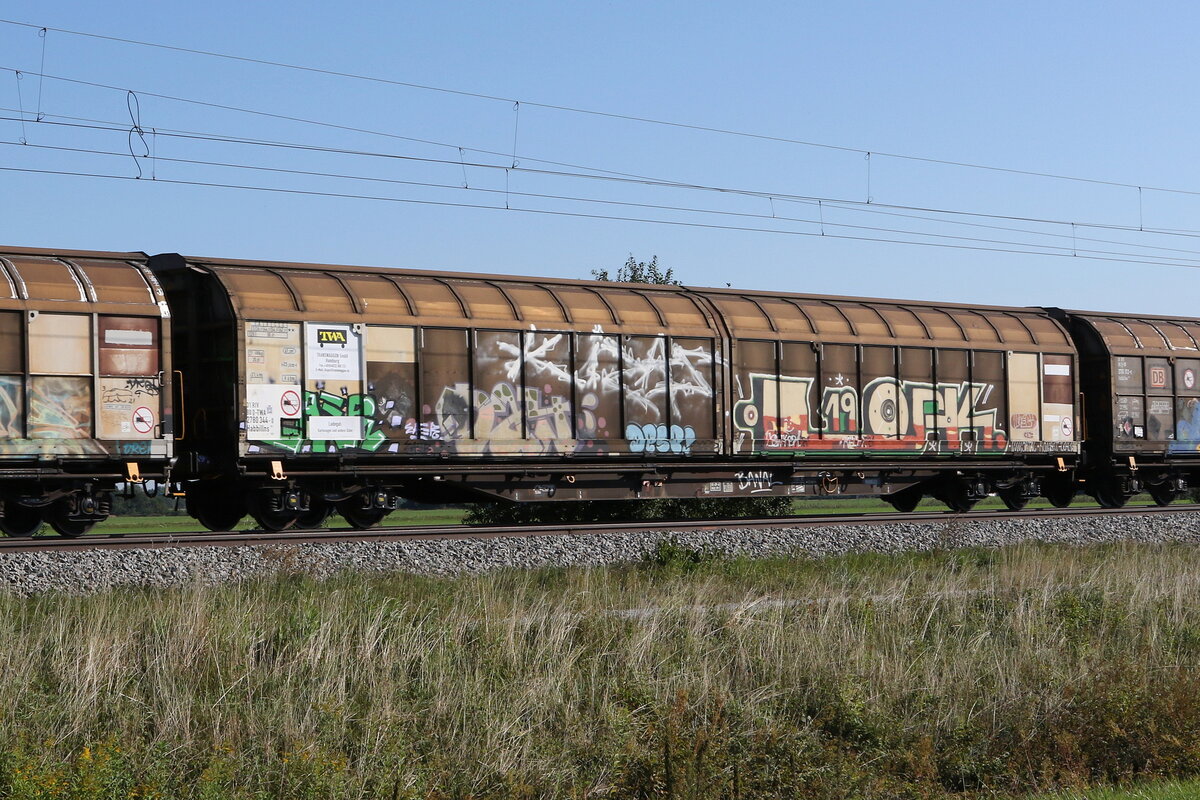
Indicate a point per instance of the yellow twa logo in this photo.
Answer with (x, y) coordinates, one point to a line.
(328, 336)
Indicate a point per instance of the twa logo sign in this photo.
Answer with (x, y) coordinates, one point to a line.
(330, 336)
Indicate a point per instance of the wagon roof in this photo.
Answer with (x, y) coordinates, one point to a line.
(82, 281)
(878, 321)
(1127, 334)
(428, 297)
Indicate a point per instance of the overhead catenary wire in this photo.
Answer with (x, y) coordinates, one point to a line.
(650, 206)
(605, 173)
(316, 122)
(845, 204)
(840, 203)
(576, 214)
(766, 194)
(600, 113)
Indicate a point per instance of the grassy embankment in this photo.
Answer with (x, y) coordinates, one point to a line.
(922, 675)
(1164, 790)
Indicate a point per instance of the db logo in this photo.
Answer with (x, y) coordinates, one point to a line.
(1158, 377)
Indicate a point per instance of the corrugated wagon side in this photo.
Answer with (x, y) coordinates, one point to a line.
(1142, 398)
(313, 387)
(901, 398)
(83, 404)
(320, 387)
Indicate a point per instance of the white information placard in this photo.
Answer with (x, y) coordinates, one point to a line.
(332, 352)
(264, 408)
(346, 429)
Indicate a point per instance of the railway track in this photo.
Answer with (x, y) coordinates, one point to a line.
(242, 538)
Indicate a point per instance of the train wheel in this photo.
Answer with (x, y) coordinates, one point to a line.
(268, 518)
(1014, 498)
(960, 504)
(1059, 493)
(1109, 497)
(1163, 493)
(319, 510)
(218, 508)
(358, 517)
(60, 514)
(70, 528)
(20, 521)
(957, 497)
(905, 500)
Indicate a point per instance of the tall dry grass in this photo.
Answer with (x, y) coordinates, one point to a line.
(686, 676)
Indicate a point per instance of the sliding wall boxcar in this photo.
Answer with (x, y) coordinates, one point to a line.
(335, 381)
(389, 367)
(855, 378)
(82, 360)
(1143, 395)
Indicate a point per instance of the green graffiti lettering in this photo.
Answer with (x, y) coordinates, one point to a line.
(360, 405)
(375, 439)
(325, 404)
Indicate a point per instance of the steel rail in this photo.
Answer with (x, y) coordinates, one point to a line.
(253, 537)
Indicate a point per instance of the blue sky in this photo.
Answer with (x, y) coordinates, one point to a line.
(1099, 90)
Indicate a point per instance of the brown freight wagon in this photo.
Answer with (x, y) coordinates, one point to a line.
(309, 387)
(1141, 403)
(83, 404)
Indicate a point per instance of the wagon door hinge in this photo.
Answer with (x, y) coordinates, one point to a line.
(277, 471)
(1133, 467)
(132, 473)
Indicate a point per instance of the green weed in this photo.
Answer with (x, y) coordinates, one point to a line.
(964, 674)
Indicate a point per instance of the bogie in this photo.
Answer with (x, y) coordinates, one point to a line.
(77, 513)
(319, 510)
(276, 511)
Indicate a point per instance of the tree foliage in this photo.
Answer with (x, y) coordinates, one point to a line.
(634, 271)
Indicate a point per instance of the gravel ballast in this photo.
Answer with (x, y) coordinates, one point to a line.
(88, 571)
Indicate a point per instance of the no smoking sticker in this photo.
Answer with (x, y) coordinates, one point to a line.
(289, 404)
(143, 419)
(1067, 427)
(1189, 378)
